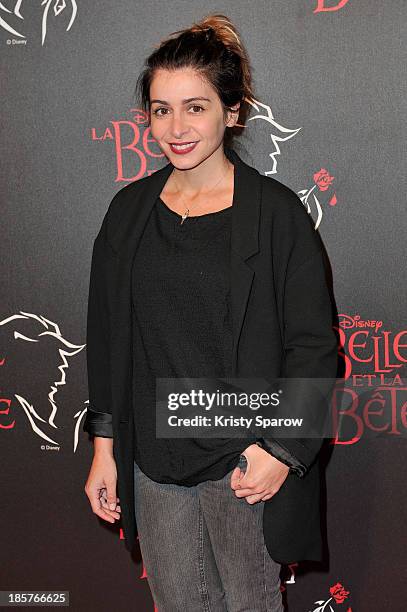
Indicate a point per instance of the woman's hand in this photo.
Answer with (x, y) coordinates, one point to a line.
(101, 487)
(263, 477)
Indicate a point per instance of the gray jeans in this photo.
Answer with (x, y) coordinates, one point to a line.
(203, 548)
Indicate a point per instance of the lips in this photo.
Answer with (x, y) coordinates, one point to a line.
(183, 148)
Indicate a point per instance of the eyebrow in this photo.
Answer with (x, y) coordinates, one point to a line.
(183, 101)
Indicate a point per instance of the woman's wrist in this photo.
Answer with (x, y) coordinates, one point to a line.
(103, 446)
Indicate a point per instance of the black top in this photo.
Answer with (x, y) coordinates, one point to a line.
(182, 328)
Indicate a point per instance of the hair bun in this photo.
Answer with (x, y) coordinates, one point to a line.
(208, 31)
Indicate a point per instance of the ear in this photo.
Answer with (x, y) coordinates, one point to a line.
(233, 115)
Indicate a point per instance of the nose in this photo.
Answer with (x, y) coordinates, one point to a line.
(179, 126)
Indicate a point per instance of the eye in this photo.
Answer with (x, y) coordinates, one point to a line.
(156, 111)
(197, 106)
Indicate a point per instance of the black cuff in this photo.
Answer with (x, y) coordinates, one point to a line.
(282, 454)
(98, 424)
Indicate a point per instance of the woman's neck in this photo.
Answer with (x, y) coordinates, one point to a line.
(207, 176)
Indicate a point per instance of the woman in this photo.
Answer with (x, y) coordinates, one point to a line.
(204, 269)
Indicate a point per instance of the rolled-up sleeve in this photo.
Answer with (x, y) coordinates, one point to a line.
(276, 449)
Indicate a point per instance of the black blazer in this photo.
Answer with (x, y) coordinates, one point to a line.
(282, 326)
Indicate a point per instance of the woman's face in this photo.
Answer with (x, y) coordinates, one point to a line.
(186, 109)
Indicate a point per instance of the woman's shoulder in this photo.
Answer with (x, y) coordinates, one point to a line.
(285, 205)
(129, 191)
(292, 228)
(125, 199)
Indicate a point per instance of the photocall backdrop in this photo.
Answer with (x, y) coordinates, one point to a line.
(328, 122)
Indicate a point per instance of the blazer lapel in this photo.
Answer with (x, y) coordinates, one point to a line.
(244, 244)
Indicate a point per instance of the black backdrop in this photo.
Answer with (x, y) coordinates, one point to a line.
(328, 123)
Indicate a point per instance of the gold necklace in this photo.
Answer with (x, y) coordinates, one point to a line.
(186, 213)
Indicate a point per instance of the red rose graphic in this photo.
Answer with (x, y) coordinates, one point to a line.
(338, 593)
(323, 179)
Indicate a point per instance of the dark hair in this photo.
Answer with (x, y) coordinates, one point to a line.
(213, 48)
